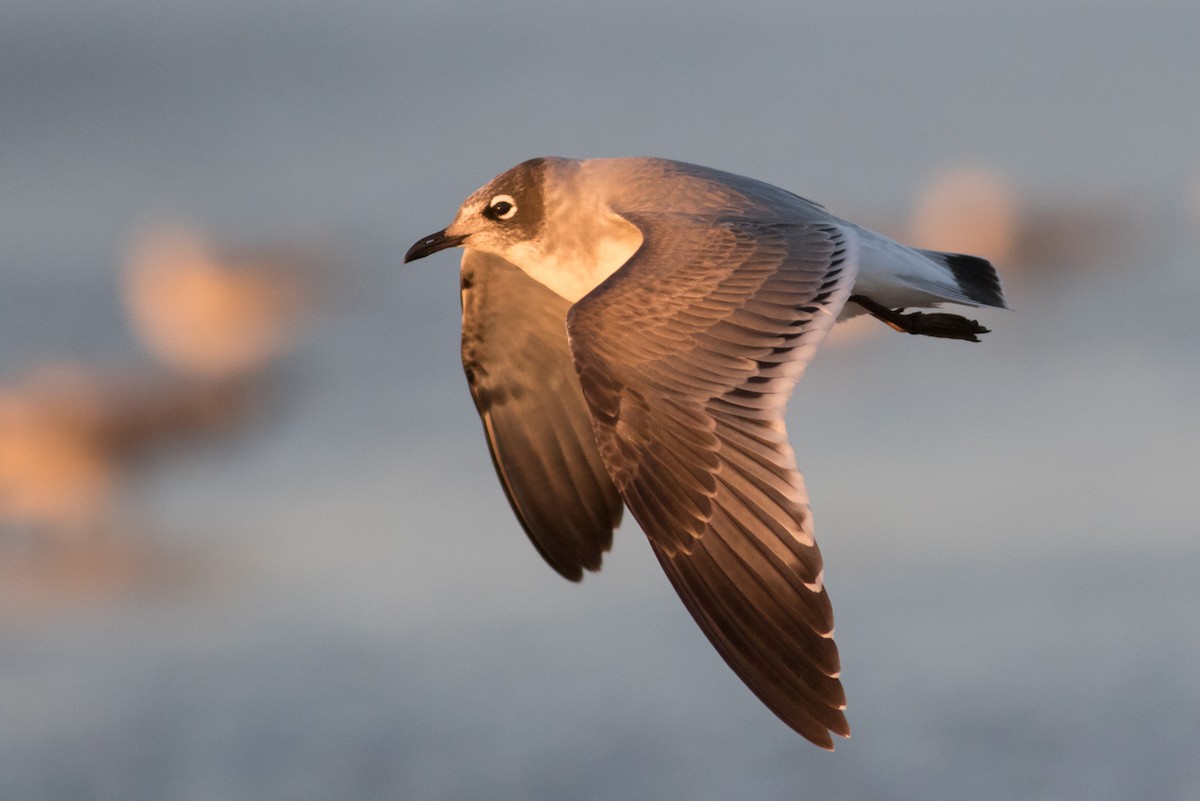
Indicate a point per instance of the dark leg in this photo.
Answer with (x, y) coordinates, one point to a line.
(937, 324)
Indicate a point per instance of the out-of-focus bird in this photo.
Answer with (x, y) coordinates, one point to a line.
(211, 314)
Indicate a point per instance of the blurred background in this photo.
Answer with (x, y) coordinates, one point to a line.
(251, 544)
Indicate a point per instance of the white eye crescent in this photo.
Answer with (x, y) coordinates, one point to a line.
(501, 207)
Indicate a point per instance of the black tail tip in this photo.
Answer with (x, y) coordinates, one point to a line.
(977, 278)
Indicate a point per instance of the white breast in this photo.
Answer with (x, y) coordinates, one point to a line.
(572, 257)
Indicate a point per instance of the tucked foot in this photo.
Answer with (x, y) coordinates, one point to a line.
(936, 324)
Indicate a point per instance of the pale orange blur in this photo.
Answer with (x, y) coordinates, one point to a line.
(978, 211)
(54, 471)
(71, 434)
(67, 432)
(209, 315)
(968, 210)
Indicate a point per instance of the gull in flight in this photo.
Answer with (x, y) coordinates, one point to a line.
(632, 330)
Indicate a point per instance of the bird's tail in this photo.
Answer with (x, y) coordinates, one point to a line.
(976, 277)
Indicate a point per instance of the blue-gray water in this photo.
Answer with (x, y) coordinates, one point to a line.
(350, 610)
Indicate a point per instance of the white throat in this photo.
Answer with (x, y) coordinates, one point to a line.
(576, 264)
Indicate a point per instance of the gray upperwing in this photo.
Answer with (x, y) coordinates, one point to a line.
(687, 356)
(519, 368)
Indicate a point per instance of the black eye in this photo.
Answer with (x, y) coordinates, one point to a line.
(502, 207)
